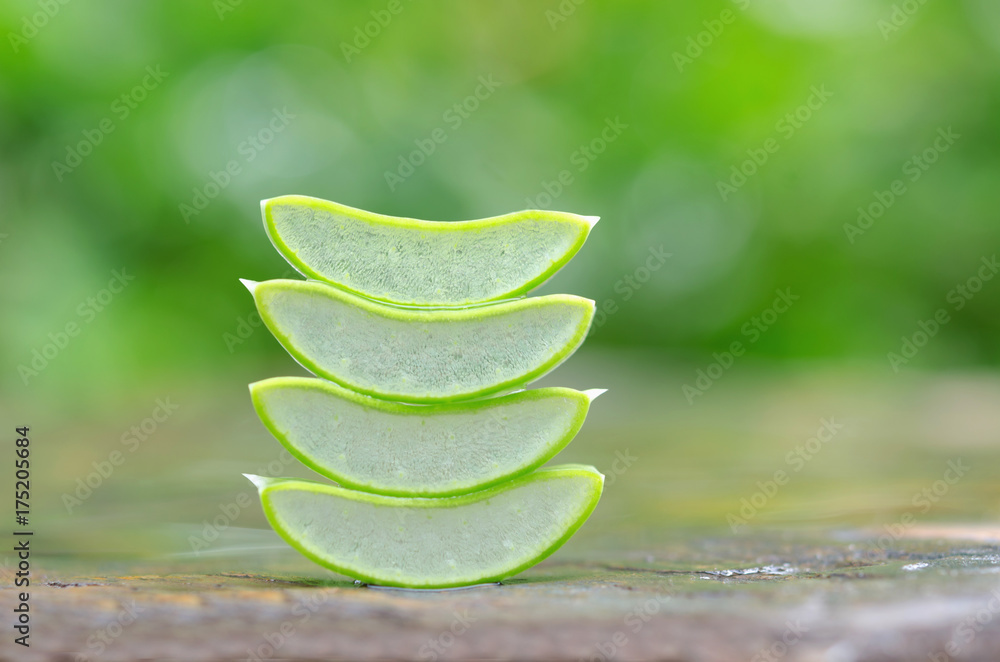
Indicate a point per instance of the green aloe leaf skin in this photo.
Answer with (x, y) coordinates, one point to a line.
(418, 450)
(421, 355)
(423, 263)
(480, 537)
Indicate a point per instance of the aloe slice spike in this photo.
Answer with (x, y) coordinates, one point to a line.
(475, 538)
(417, 355)
(423, 263)
(417, 450)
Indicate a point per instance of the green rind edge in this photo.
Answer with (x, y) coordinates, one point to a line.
(267, 485)
(406, 314)
(582, 408)
(434, 226)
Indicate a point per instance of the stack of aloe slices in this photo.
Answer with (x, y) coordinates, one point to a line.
(421, 334)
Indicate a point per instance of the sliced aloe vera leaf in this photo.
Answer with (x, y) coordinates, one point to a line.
(420, 355)
(484, 536)
(418, 450)
(422, 263)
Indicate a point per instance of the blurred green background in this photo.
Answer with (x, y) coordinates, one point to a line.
(136, 140)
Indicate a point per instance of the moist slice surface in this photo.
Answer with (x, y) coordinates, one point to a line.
(420, 355)
(418, 450)
(424, 263)
(480, 537)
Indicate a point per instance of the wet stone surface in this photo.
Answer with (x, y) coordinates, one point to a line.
(934, 595)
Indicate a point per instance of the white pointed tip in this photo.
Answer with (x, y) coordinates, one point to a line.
(593, 393)
(591, 220)
(249, 284)
(259, 481)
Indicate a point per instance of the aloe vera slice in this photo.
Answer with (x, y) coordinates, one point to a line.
(419, 355)
(484, 536)
(423, 263)
(412, 450)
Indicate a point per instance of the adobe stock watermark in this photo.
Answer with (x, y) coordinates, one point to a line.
(131, 439)
(102, 638)
(454, 117)
(86, 312)
(922, 503)
(752, 330)
(224, 7)
(246, 325)
(31, 24)
(230, 511)
(912, 170)
(899, 16)
(714, 27)
(121, 108)
(959, 296)
(628, 285)
(632, 624)
(786, 128)
(562, 12)
(779, 648)
(437, 646)
(364, 34)
(579, 160)
(795, 461)
(249, 149)
(276, 639)
(623, 462)
(966, 631)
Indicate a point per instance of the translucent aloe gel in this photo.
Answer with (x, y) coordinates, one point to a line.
(446, 492)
